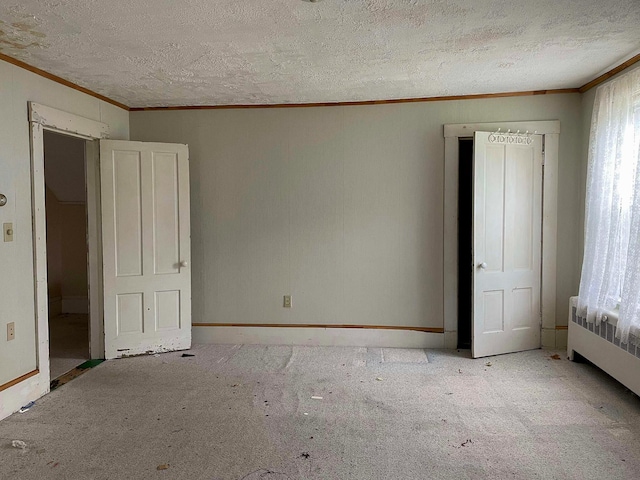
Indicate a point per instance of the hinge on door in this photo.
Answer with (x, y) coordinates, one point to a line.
(543, 149)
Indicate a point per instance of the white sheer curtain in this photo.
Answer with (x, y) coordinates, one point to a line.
(611, 263)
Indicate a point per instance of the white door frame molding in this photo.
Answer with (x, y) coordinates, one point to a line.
(43, 118)
(452, 133)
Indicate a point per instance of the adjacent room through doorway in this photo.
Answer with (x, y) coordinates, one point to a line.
(66, 218)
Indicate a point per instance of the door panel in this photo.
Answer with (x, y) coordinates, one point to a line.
(146, 247)
(521, 189)
(166, 238)
(127, 192)
(493, 311)
(168, 310)
(130, 313)
(493, 214)
(507, 231)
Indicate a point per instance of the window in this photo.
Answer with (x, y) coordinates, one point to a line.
(611, 264)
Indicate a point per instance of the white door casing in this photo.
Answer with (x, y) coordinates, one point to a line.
(35, 384)
(146, 247)
(507, 227)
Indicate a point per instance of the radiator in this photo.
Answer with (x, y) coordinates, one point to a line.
(599, 345)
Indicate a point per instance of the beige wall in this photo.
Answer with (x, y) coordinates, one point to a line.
(17, 87)
(342, 207)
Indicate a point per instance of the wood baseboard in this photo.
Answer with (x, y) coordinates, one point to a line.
(19, 379)
(323, 325)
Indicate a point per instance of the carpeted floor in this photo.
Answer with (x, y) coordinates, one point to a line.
(68, 341)
(248, 412)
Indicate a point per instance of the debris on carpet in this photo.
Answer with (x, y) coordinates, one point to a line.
(264, 474)
(19, 444)
(27, 407)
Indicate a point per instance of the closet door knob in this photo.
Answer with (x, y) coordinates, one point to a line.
(184, 263)
(483, 265)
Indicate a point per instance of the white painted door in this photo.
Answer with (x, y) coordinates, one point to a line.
(507, 243)
(146, 247)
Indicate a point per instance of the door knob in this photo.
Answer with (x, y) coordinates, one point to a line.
(183, 263)
(483, 265)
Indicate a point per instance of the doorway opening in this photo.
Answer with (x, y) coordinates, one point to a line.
(67, 252)
(465, 241)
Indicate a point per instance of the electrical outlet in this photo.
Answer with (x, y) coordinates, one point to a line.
(287, 301)
(11, 331)
(7, 229)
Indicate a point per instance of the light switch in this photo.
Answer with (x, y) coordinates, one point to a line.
(287, 301)
(7, 228)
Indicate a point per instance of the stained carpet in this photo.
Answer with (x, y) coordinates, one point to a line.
(235, 412)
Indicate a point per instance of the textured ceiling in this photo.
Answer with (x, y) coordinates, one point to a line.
(212, 52)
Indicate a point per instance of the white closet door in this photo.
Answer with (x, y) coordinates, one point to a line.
(146, 247)
(507, 232)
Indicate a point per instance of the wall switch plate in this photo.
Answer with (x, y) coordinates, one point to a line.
(7, 229)
(11, 331)
(287, 301)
